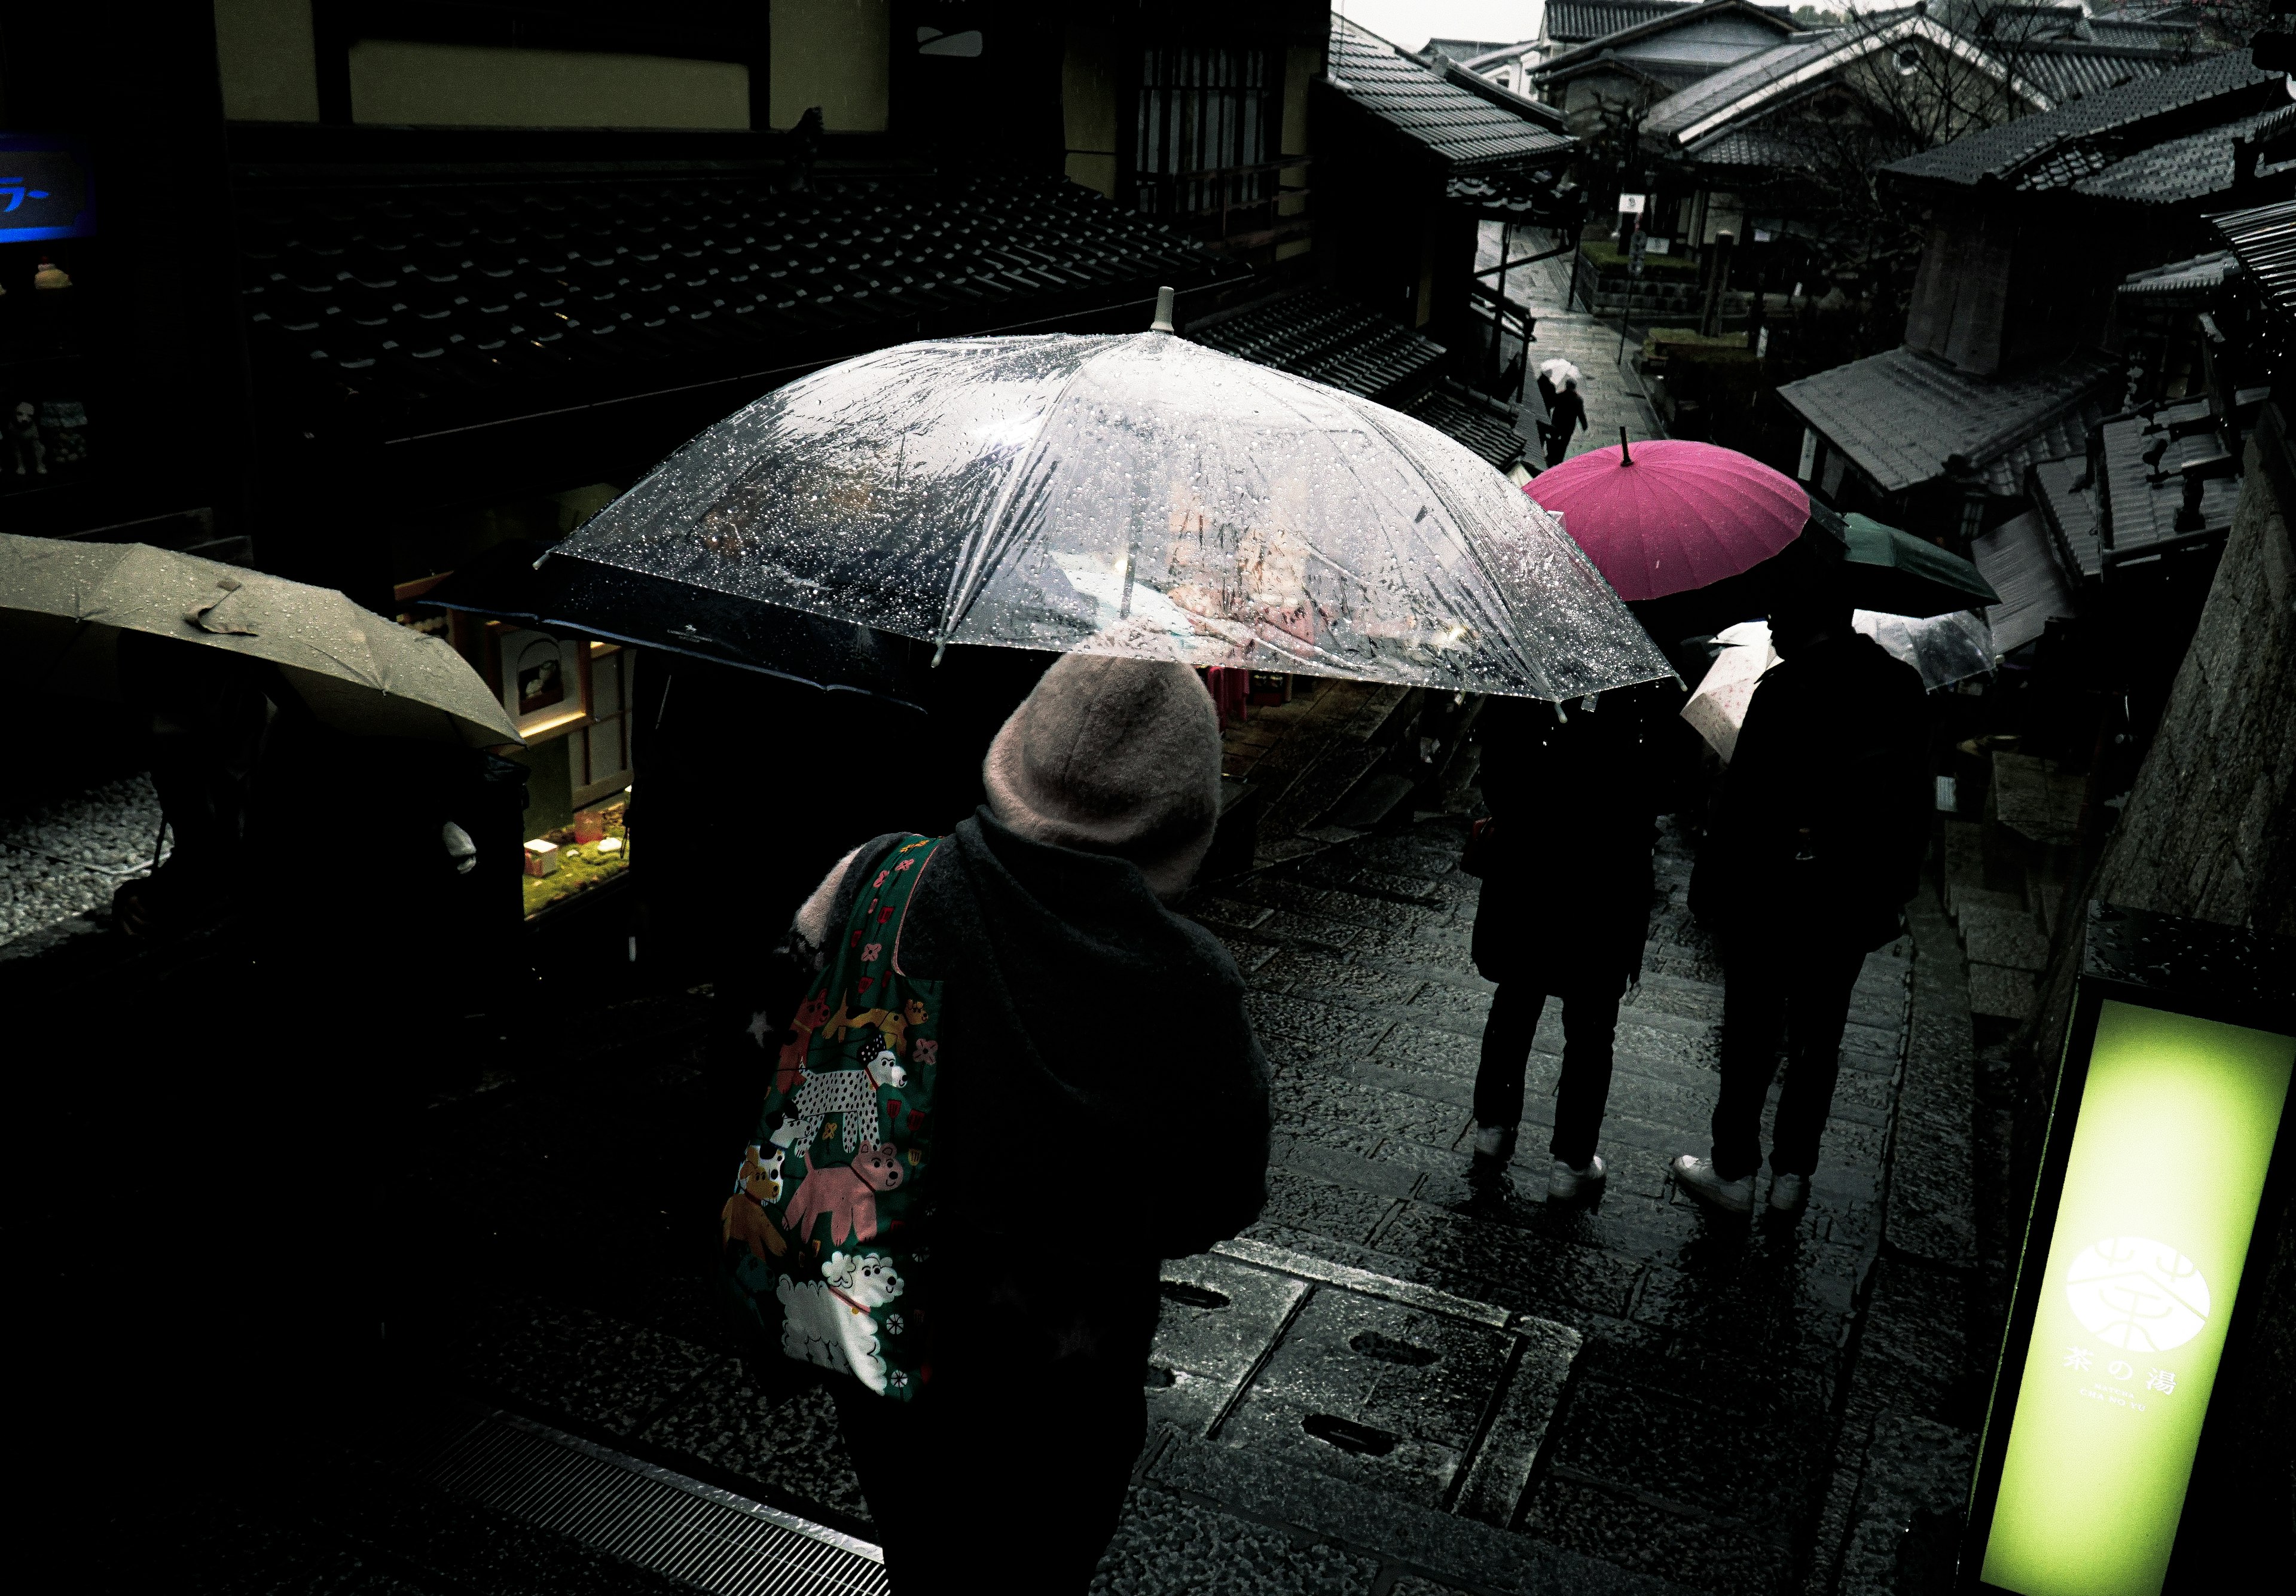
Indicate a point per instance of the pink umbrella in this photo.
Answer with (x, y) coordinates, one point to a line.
(1675, 515)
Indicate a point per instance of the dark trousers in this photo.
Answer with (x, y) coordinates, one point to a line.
(1015, 1486)
(1798, 992)
(1590, 1020)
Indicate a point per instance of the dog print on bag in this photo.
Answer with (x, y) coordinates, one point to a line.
(848, 1194)
(827, 1321)
(850, 1094)
(743, 1218)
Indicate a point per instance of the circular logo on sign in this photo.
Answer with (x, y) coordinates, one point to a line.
(2137, 1294)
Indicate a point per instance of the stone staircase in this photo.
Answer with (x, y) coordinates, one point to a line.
(2005, 876)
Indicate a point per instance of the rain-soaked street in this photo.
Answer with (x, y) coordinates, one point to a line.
(1394, 1382)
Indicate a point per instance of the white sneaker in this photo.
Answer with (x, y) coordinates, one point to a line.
(1789, 1191)
(1490, 1141)
(1563, 1183)
(1697, 1179)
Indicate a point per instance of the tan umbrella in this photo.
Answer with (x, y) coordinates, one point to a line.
(63, 606)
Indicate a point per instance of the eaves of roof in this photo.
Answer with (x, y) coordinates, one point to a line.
(1575, 22)
(1467, 128)
(2129, 116)
(2264, 238)
(2176, 171)
(1906, 419)
(1666, 24)
(1747, 87)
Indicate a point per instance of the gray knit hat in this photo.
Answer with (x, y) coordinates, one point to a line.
(1116, 756)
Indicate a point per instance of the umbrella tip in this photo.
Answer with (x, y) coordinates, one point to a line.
(1163, 322)
(1625, 458)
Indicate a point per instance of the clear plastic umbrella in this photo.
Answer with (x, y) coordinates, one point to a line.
(1129, 495)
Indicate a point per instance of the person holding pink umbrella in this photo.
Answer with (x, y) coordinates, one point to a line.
(1819, 826)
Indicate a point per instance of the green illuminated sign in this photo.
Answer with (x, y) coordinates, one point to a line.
(2176, 1130)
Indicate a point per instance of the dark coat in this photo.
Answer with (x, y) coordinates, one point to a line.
(1567, 899)
(1832, 763)
(1103, 1104)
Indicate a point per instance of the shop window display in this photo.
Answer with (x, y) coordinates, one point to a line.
(572, 697)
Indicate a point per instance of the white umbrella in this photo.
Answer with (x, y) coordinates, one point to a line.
(1945, 649)
(1133, 495)
(1559, 371)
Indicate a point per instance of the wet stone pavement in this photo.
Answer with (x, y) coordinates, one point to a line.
(1395, 1383)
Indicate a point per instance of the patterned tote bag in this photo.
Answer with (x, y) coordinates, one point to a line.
(821, 1237)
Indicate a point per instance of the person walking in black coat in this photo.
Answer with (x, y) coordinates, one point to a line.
(1567, 415)
(1819, 831)
(1565, 908)
(1099, 1104)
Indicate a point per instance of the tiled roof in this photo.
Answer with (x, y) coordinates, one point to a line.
(1484, 424)
(2264, 238)
(2137, 32)
(1902, 416)
(2175, 170)
(2066, 69)
(1575, 22)
(2016, 558)
(1470, 127)
(2067, 501)
(2202, 275)
(1315, 334)
(1754, 146)
(1734, 83)
(1463, 50)
(2096, 130)
(2141, 501)
(1665, 22)
(505, 294)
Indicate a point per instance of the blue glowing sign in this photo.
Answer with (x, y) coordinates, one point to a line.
(45, 190)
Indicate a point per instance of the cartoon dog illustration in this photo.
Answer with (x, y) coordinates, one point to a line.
(848, 1194)
(827, 1321)
(743, 1218)
(850, 1094)
(893, 1023)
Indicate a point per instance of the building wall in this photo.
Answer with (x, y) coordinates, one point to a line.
(833, 53)
(264, 50)
(400, 81)
(1091, 86)
(1302, 63)
(2209, 830)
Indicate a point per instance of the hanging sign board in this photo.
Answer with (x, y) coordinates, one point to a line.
(2164, 1127)
(1630, 205)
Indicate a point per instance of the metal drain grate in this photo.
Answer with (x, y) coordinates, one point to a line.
(651, 1516)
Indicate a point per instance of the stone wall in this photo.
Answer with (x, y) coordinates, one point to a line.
(2209, 831)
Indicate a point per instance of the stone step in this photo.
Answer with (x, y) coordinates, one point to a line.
(1423, 1396)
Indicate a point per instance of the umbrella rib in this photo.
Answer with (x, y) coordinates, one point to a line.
(974, 561)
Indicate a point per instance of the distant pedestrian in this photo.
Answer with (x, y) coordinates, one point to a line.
(1563, 912)
(1820, 827)
(1566, 416)
(1007, 1081)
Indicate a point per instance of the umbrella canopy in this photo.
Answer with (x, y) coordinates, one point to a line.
(1899, 574)
(604, 601)
(1670, 515)
(1132, 495)
(63, 606)
(1945, 649)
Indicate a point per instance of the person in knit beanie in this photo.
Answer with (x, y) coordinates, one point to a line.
(1084, 1034)
(1118, 757)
